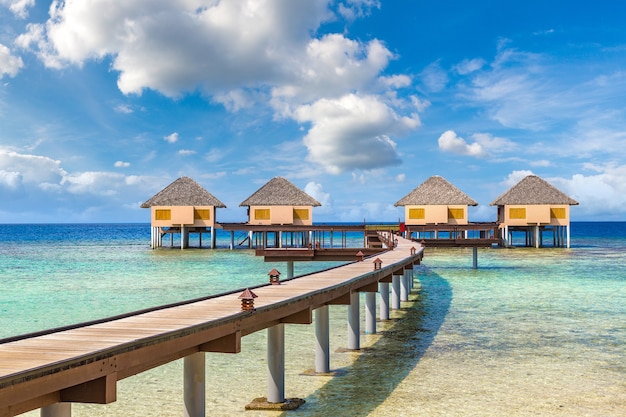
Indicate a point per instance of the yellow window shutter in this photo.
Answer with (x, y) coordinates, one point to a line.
(301, 214)
(456, 213)
(517, 213)
(557, 212)
(202, 214)
(163, 214)
(262, 214)
(417, 213)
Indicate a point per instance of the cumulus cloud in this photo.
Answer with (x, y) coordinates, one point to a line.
(179, 46)
(601, 194)
(28, 168)
(515, 177)
(352, 132)
(18, 7)
(121, 164)
(316, 191)
(484, 144)
(171, 138)
(449, 141)
(9, 64)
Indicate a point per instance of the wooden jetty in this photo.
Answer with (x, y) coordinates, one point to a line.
(82, 363)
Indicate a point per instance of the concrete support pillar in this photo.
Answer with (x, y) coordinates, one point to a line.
(370, 313)
(290, 269)
(568, 235)
(395, 291)
(404, 286)
(194, 385)
(57, 410)
(537, 237)
(322, 340)
(354, 322)
(475, 257)
(184, 237)
(383, 288)
(213, 237)
(276, 364)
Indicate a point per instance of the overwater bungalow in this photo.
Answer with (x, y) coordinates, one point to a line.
(182, 207)
(280, 202)
(534, 206)
(435, 202)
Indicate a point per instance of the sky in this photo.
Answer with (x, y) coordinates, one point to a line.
(103, 103)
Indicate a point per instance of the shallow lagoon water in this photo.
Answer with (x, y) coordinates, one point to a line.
(531, 332)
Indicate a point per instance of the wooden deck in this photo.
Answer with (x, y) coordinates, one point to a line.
(84, 363)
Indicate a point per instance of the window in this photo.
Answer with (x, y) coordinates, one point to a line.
(163, 214)
(517, 213)
(261, 214)
(456, 213)
(301, 214)
(202, 214)
(417, 213)
(557, 212)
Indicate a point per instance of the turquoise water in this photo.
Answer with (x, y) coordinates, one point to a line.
(531, 332)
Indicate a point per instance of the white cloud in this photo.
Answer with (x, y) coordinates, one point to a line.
(121, 164)
(515, 177)
(450, 142)
(123, 108)
(31, 168)
(171, 138)
(352, 132)
(214, 155)
(18, 7)
(9, 64)
(316, 191)
(10, 179)
(494, 144)
(601, 195)
(467, 66)
(276, 60)
(400, 177)
(186, 152)
(353, 9)
(434, 77)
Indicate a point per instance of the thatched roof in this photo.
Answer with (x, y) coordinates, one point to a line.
(183, 192)
(436, 191)
(533, 190)
(280, 192)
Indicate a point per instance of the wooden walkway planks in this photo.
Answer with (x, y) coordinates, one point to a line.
(38, 371)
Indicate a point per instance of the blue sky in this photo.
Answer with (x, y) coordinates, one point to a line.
(104, 103)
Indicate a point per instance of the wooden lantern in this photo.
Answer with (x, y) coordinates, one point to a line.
(247, 300)
(274, 277)
(377, 264)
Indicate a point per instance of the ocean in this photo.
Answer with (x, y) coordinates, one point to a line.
(530, 332)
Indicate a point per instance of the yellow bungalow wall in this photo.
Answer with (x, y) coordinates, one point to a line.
(190, 216)
(435, 214)
(296, 215)
(533, 214)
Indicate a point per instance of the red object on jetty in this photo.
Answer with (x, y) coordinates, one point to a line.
(413, 250)
(274, 277)
(359, 256)
(247, 299)
(377, 264)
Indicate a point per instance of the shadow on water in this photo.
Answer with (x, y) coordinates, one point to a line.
(382, 366)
